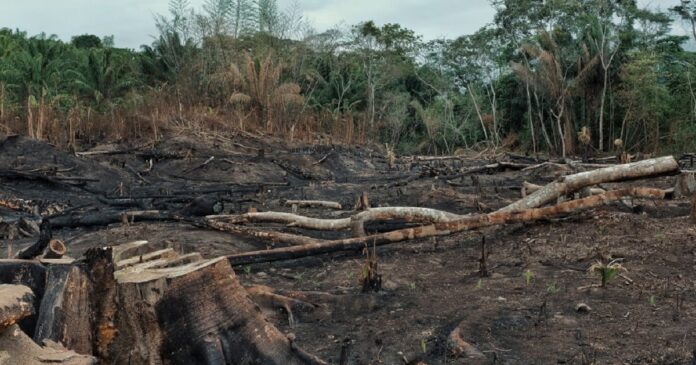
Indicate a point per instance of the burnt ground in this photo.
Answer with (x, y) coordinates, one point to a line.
(524, 312)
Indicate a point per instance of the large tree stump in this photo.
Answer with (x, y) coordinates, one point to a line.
(161, 307)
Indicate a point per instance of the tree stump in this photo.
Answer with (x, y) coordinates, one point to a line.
(161, 307)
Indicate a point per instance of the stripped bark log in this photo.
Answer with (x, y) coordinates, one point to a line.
(573, 183)
(408, 214)
(443, 228)
(16, 303)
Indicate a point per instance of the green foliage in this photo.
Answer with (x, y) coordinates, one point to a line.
(611, 66)
(86, 41)
(607, 272)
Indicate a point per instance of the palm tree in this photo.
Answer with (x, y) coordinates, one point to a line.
(258, 86)
(548, 72)
(105, 76)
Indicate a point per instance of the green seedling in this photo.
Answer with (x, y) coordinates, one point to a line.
(652, 300)
(552, 288)
(247, 269)
(413, 285)
(528, 277)
(424, 346)
(607, 272)
(479, 284)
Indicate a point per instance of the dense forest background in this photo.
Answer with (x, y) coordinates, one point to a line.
(553, 76)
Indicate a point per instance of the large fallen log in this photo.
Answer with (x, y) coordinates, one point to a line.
(104, 218)
(443, 228)
(572, 183)
(408, 214)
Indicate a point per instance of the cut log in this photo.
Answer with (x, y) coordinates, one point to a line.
(55, 250)
(16, 303)
(40, 245)
(572, 183)
(314, 203)
(443, 228)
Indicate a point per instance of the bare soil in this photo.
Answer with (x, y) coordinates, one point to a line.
(524, 312)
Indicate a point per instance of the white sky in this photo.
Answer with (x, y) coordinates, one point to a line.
(131, 21)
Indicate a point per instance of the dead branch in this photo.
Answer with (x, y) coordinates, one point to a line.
(443, 228)
(460, 347)
(572, 183)
(314, 203)
(275, 237)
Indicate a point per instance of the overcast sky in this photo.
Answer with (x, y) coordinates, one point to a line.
(131, 21)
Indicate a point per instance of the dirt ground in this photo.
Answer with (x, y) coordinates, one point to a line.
(524, 312)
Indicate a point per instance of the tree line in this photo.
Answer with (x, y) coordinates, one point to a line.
(555, 76)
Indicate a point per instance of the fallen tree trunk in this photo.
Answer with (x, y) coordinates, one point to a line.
(408, 214)
(572, 183)
(442, 228)
(104, 218)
